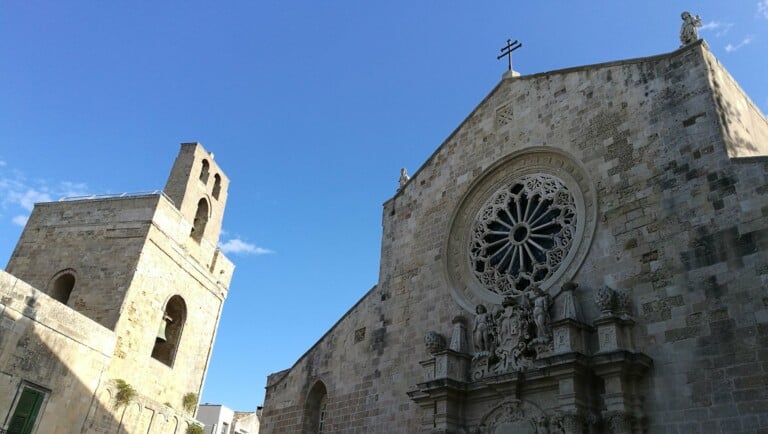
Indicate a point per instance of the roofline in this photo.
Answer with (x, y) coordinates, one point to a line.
(570, 69)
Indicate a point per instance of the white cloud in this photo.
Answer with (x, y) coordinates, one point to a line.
(731, 48)
(28, 199)
(762, 8)
(20, 220)
(68, 189)
(17, 193)
(237, 245)
(719, 28)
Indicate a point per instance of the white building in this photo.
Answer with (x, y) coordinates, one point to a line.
(218, 419)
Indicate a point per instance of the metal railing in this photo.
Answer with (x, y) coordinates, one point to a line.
(115, 196)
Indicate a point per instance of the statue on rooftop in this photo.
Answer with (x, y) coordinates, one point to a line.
(688, 32)
(403, 177)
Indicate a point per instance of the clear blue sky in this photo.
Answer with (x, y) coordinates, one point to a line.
(311, 108)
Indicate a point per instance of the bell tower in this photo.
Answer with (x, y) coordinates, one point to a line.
(198, 188)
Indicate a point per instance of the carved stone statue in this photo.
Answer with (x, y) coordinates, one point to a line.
(481, 329)
(403, 178)
(541, 304)
(688, 32)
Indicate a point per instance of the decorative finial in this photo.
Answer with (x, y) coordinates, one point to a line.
(688, 32)
(403, 178)
(507, 51)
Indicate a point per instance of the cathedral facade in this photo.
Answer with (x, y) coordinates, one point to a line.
(586, 253)
(109, 307)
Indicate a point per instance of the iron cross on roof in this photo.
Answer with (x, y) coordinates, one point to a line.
(507, 51)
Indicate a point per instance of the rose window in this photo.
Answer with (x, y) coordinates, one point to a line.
(522, 234)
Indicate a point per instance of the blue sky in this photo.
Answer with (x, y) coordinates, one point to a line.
(311, 108)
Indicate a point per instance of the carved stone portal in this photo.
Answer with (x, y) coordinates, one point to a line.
(514, 416)
(586, 382)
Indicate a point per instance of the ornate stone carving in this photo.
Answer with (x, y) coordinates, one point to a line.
(619, 423)
(688, 32)
(434, 342)
(623, 302)
(514, 415)
(509, 339)
(403, 178)
(528, 221)
(541, 304)
(522, 234)
(604, 299)
(568, 423)
(482, 329)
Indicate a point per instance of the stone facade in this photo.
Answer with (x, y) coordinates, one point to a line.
(88, 289)
(652, 313)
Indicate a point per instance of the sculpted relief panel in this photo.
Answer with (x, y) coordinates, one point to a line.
(511, 338)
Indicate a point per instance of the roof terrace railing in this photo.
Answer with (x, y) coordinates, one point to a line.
(116, 196)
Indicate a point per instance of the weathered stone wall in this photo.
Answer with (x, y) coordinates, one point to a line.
(679, 224)
(745, 128)
(166, 269)
(129, 256)
(99, 240)
(48, 345)
(186, 188)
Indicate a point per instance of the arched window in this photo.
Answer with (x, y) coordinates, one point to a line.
(204, 172)
(216, 186)
(315, 421)
(201, 219)
(62, 286)
(169, 330)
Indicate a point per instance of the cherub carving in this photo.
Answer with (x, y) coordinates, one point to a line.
(481, 329)
(541, 304)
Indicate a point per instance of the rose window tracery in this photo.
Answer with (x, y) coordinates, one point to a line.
(522, 234)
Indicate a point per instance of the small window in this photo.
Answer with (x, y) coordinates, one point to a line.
(201, 219)
(204, 172)
(216, 186)
(25, 414)
(62, 286)
(169, 330)
(224, 428)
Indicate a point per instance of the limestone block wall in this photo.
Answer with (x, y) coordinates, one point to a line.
(141, 415)
(50, 346)
(188, 183)
(98, 240)
(166, 269)
(679, 224)
(744, 127)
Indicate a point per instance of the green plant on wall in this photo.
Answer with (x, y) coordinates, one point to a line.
(189, 402)
(195, 429)
(125, 393)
